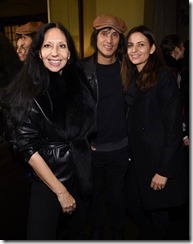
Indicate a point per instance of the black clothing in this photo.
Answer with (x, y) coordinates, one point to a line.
(155, 139)
(155, 132)
(13, 182)
(109, 173)
(43, 218)
(172, 62)
(110, 102)
(110, 159)
(59, 125)
(56, 128)
(106, 85)
(152, 224)
(14, 192)
(181, 72)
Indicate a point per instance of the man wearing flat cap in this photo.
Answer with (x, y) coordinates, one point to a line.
(110, 146)
(25, 34)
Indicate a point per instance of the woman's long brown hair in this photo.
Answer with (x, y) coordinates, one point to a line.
(148, 76)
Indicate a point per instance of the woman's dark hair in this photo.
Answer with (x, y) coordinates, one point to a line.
(148, 75)
(169, 42)
(93, 41)
(9, 61)
(33, 78)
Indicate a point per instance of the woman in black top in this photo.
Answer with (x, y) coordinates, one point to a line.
(50, 113)
(157, 177)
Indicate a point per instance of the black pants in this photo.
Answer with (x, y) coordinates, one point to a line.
(45, 213)
(109, 174)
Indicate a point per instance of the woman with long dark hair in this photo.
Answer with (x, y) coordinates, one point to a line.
(49, 115)
(157, 177)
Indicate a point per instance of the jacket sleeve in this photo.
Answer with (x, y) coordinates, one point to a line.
(27, 137)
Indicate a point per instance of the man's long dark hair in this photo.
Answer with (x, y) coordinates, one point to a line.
(148, 76)
(33, 78)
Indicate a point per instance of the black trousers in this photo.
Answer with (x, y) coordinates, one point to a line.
(109, 174)
(45, 214)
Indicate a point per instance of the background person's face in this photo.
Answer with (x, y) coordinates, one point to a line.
(27, 42)
(21, 51)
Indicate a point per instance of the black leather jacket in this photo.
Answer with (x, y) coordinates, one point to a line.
(38, 134)
(59, 127)
(89, 67)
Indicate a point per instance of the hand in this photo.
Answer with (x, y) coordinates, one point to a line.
(186, 141)
(67, 202)
(93, 148)
(158, 182)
